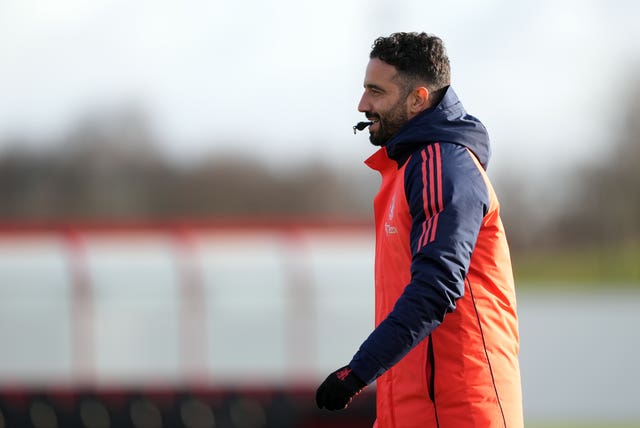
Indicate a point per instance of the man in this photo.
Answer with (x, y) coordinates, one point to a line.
(445, 347)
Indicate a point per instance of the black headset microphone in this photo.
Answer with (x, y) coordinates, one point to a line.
(360, 126)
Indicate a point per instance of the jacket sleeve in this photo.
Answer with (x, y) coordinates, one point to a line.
(447, 199)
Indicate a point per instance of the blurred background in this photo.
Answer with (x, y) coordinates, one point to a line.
(186, 221)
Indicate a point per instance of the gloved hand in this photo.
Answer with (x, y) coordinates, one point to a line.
(338, 389)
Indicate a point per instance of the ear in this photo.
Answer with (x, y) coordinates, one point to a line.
(418, 100)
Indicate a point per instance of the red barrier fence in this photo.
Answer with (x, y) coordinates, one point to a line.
(242, 313)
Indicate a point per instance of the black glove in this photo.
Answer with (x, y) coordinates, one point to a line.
(338, 389)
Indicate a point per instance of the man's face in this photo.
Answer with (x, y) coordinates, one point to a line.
(383, 102)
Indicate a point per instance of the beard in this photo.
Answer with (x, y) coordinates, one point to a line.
(389, 123)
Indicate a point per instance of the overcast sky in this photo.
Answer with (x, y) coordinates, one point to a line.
(281, 79)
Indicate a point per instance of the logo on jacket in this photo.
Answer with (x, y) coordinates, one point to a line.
(388, 226)
(390, 230)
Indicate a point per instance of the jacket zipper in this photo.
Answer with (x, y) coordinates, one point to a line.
(431, 377)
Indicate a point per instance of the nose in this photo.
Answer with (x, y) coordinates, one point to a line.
(364, 105)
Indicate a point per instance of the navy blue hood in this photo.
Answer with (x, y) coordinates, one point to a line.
(446, 122)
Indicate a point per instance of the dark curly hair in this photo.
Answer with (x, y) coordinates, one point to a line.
(418, 57)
